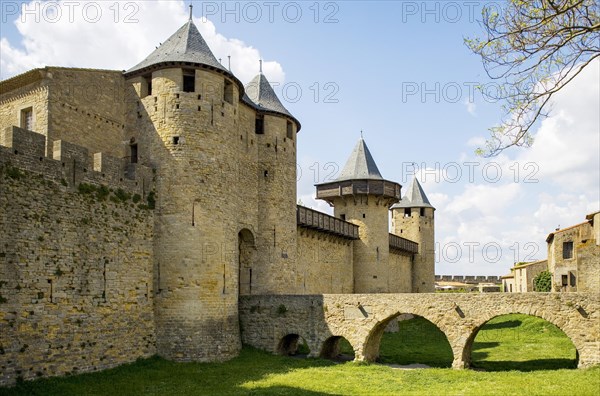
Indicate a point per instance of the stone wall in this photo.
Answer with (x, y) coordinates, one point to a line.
(75, 262)
(325, 262)
(363, 318)
(565, 276)
(526, 273)
(33, 93)
(83, 106)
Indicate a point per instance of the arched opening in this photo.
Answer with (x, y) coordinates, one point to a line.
(246, 251)
(521, 342)
(293, 345)
(337, 348)
(406, 339)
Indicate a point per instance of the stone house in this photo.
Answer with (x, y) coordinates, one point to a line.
(574, 256)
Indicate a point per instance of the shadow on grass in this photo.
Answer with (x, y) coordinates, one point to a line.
(526, 365)
(503, 325)
(157, 376)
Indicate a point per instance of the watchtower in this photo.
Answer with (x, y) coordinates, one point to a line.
(413, 218)
(360, 195)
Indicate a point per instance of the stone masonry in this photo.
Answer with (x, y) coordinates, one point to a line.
(362, 319)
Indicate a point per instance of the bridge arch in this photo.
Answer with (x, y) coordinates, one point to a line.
(330, 348)
(371, 344)
(289, 344)
(573, 333)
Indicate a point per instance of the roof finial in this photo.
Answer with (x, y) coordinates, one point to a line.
(361, 134)
(229, 62)
(260, 65)
(191, 8)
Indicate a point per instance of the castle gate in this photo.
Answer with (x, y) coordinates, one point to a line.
(362, 318)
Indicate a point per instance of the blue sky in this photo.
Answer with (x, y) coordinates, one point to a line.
(398, 71)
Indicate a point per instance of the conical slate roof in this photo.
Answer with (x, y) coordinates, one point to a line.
(260, 92)
(186, 45)
(360, 164)
(414, 198)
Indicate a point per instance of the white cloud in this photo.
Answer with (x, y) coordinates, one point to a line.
(471, 107)
(77, 38)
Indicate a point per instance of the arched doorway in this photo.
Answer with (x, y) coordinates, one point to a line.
(521, 342)
(337, 348)
(246, 252)
(415, 340)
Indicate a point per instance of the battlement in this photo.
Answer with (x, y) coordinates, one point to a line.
(71, 165)
(468, 278)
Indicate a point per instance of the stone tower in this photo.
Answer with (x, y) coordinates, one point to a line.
(275, 133)
(360, 195)
(412, 218)
(216, 153)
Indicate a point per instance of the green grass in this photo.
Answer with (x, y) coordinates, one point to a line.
(257, 372)
(522, 342)
(418, 341)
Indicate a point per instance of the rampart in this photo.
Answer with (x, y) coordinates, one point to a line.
(76, 259)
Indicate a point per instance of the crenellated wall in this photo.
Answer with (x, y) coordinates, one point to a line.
(76, 290)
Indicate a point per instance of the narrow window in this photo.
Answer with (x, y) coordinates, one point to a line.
(422, 212)
(147, 88)
(572, 279)
(134, 153)
(364, 215)
(406, 212)
(175, 139)
(189, 81)
(564, 280)
(290, 130)
(567, 250)
(27, 118)
(343, 217)
(511, 287)
(259, 125)
(228, 91)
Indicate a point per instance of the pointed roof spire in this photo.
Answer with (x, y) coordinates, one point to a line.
(185, 45)
(360, 164)
(415, 197)
(261, 93)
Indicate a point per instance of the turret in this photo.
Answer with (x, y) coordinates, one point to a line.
(360, 195)
(412, 218)
(275, 131)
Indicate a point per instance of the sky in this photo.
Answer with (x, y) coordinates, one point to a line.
(396, 70)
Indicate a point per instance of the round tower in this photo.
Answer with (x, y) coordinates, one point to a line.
(361, 196)
(275, 131)
(413, 218)
(188, 128)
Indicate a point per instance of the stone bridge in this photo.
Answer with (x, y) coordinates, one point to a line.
(274, 322)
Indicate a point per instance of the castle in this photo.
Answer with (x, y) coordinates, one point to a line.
(137, 207)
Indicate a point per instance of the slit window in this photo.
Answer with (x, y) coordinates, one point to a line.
(147, 86)
(422, 212)
(564, 280)
(567, 250)
(189, 81)
(175, 140)
(134, 153)
(259, 125)
(406, 212)
(27, 118)
(343, 217)
(290, 130)
(228, 91)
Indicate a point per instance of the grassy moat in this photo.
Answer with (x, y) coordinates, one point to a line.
(512, 355)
